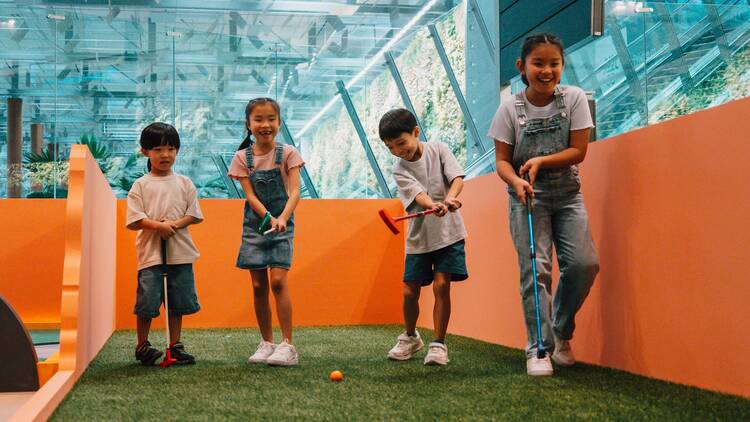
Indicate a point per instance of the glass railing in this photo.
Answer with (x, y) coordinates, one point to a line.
(98, 75)
(657, 61)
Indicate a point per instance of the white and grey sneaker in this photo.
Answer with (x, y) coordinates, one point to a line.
(539, 367)
(563, 355)
(437, 354)
(406, 346)
(284, 355)
(264, 350)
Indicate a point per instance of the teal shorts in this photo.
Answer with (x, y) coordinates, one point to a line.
(421, 268)
(180, 288)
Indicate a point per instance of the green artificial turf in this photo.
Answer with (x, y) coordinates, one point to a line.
(482, 381)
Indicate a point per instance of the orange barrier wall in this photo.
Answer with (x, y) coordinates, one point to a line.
(347, 267)
(668, 207)
(33, 233)
(88, 289)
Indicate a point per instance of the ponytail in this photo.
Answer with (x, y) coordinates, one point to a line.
(247, 142)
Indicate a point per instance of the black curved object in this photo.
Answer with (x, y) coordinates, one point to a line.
(17, 354)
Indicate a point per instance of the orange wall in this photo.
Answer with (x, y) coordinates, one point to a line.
(347, 266)
(31, 256)
(668, 207)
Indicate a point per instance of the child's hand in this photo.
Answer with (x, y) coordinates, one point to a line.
(532, 167)
(440, 209)
(279, 224)
(523, 190)
(172, 224)
(452, 202)
(165, 230)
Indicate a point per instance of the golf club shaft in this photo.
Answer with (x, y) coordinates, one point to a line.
(540, 352)
(418, 214)
(166, 298)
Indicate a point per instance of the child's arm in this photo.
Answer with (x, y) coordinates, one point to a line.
(424, 201)
(574, 154)
(164, 229)
(280, 222)
(183, 222)
(451, 200)
(503, 159)
(250, 197)
(137, 218)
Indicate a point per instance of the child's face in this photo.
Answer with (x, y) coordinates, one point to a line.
(263, 122)
(405, 146)
(543, 68)
(162, 158)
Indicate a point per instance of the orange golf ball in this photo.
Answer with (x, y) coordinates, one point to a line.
(336, 376)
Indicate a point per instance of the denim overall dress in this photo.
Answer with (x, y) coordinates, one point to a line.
(274, 249)
(560, 218)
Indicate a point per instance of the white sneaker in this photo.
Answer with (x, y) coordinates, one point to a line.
(284, 355)
(406, 346)
(437, 354)
(264, 350)
(539, 367)
(563, 355)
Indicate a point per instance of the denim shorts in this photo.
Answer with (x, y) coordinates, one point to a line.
(180, 288)
(421, 268)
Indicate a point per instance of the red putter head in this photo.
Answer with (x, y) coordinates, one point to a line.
(389, 221)
(168, 359)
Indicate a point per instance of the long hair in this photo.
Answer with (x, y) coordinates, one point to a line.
(249, 109)
(532, 41)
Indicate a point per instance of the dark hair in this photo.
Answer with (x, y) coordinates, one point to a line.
(533, 41)
(249, 109)
(396, 122)
(157, 134)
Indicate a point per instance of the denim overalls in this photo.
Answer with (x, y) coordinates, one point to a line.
(274, 249)
(560, 218)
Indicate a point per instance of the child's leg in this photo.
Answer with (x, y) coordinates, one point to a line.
(283, 301)
(261, 304)
(579, 264)
(143, 327)
(519, 229)
(411, 306)
(175, 328)
(441, 313)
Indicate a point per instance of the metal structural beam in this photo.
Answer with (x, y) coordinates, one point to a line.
(305, 175)
(402, 90)
(477, 13)
(631, 76)
(678, 52)
(721, 39)
(468, 120)
(386, 192)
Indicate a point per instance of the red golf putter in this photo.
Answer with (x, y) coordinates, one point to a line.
(168, 359)
(391, 221)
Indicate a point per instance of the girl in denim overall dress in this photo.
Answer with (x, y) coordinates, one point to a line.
(269, 175)
(540, 137)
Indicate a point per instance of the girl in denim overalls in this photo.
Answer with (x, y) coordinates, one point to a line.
(542, 134)
(269, 175)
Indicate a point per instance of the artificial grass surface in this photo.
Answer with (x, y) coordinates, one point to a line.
(482, 381)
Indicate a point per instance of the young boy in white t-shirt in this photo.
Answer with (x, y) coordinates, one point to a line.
(161, 205)
(429, 178)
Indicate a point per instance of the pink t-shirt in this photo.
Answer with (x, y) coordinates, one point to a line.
(290, 159)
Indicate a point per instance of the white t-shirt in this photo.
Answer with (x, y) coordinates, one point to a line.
(505, 126)
(170, 197)
(432, 174)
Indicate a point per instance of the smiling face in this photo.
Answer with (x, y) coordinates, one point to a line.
(542, 68)
(263, 122)
(405, 146)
